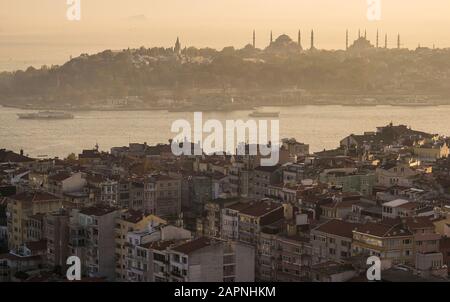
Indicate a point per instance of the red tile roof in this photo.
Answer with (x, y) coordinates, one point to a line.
(261, 208)
(59, 176)
(383, 230)
(338, 228)
(36, 196)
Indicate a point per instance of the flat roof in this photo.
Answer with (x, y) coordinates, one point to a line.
(395, 203)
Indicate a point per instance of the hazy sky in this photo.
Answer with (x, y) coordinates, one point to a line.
(215, 23)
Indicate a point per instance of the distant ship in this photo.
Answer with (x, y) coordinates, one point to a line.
(258, 113)
(46, 115)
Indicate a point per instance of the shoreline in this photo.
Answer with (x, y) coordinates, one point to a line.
(174, 110)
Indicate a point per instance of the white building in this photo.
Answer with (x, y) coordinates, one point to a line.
(398, 208)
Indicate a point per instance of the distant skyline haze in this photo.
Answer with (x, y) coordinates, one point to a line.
(43, 26)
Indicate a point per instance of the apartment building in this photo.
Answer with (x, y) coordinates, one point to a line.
(109, 192)
(27, 257)
(35, 227)
(57, 236)
(147, 255)
(20, 208)
(281, 257)
(444, 248)
(229, 222)
(395, 174)
(432, 151)
(399, 208)
(136, 201)
(162, 196)
(332, 241)
(339, 207)
(263, 177)
(130, 221)
(239, 178)
(390, 241)
(255, 216)
(428, 257)
(92, 238)
(212, 219)
(64, 182)
(197, 260)
(211, 260)
(349, 179)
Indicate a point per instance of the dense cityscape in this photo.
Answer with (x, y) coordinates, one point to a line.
(371, 69)
(138, 213)
(213, 149)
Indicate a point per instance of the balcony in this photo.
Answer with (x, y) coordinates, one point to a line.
(177, 274)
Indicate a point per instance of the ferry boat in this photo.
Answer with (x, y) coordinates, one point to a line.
(46, 115)
(258, 113)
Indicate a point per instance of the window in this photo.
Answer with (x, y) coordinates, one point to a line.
(176, 258)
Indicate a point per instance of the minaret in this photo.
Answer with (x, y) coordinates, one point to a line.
(312, 39)
(359, 33)
(254, 39)
(271, 38)
(300, 40)
(385, 41)
(177, 46)
(346, 40)
(365, 34)
(377, 38)
(398, 41)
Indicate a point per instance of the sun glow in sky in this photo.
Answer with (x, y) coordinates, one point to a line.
(215, 23)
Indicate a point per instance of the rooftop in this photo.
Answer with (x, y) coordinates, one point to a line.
(338, 228)
(384, 229)
(194, 245)
(9, 156)
(97, 210)
(261, 208)
(395, 203)
(36, 196)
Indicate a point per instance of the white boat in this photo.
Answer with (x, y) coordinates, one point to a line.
(46, 115)
(258, 113)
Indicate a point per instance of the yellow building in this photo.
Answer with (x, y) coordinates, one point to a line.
(23, 208)
(432, 152)
(130, 221)
(392, 243)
